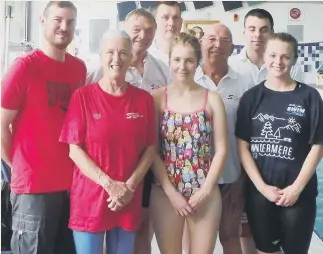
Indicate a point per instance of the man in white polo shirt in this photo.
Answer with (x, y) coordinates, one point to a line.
(258, 26)
(148, 73)
(215, 74)
(169, 23)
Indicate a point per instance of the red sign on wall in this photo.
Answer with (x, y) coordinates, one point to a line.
(295, 13)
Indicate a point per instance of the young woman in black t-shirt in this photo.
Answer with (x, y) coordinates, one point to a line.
(280, 139)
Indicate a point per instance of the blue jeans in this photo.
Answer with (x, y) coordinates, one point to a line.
(118, 241)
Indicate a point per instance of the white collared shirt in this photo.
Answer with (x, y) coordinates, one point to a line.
(242, 63)
(156, 74)
(231, 88)
(158, 53)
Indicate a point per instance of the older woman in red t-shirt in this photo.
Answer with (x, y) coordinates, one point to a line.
(110, 126)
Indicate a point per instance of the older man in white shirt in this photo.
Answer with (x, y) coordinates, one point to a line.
(215, 74)
(148, 73)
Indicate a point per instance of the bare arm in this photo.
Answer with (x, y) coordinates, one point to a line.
(309, 166)
(249, 164)
(88, 166)
(142, 167)
(160, 173)
(7, 118)
(220, 137)
(158, 165)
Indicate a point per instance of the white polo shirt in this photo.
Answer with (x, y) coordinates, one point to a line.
(158, 53)
(156, 74)
(242, 63)
(231, 88)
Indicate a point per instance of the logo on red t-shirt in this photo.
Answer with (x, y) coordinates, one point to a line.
(134, 115)
(60, 93)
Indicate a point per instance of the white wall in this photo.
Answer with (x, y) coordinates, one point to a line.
(312, 12)
(86, 10)
(279, 10)
(2, 40)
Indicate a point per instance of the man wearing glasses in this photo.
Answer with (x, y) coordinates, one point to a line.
(215, 74)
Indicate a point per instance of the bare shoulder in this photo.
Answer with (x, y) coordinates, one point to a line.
(214, 98)
(158, 96)
(215, 104)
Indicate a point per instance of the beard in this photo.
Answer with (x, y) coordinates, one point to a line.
(59, 44)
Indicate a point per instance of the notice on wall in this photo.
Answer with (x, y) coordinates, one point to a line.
(296, 14)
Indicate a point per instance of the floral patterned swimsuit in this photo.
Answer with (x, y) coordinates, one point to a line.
(185, 147)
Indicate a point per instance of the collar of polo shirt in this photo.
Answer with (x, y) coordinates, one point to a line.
(232, 74)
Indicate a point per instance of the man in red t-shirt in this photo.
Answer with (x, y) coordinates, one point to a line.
(35, 94)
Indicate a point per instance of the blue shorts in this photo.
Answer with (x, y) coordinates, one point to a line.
(118, 241)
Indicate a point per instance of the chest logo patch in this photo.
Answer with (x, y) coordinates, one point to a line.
(295, 110)
(96, 116)
(274, 139)
(233, 97)
(134, 115)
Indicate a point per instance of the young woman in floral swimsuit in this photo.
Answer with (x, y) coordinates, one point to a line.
(191, 120)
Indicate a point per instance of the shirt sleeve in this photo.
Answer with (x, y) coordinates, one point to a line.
(316, 119)
(244, 120)
(14, 86)
(74, 129)
(151, 123)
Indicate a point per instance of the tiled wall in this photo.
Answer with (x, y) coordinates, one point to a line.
(310, 55)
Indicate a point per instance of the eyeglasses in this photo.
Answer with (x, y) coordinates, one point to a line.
(222, 40)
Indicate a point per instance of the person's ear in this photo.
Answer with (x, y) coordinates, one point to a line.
(42, 20)
(232, 49)
(181, 22)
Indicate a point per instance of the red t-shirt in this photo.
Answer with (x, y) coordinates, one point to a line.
(114, 131)
(40, 89)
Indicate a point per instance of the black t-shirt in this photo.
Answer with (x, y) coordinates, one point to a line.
(281, 127)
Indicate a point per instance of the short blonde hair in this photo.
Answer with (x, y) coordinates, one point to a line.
(186, 39)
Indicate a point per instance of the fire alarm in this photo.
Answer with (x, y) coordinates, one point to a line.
(295, 13)
(235, 17)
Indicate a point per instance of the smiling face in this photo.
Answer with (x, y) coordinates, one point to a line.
(257, 31)
(279, 58)
(217, 43)
(169, 21)
(183, 62)
(59, 26)
(142, 32)
(115, 56)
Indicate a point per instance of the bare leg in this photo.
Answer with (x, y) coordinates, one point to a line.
(204, 224)
(248, 245)
(186, 239)
(167, 224)
(232, 206)
(144, 234)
